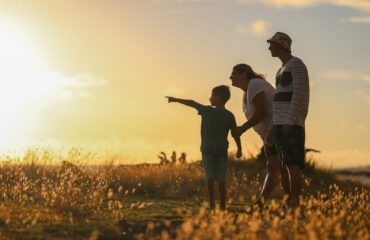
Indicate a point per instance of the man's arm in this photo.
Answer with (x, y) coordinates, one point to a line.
(300, 96)
(260, 104)
(186, 102)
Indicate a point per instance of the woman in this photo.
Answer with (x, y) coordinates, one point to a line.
(257, 106)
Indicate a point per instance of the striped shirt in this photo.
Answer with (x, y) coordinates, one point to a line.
(290, 104)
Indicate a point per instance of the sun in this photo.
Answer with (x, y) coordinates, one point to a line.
(24, 81)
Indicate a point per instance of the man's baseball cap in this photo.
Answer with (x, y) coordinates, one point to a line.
(283, 39)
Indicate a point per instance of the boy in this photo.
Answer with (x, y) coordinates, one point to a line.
(216, 123)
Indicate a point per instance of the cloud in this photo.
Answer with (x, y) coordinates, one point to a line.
(27, 3)
(339, 74)
(345, 75)
(362, 5)
(290, 3)
(183, 1)
(190, 11)
(349, 75)
(67, 88)
(258, 28)
(361, 128)
(193, 1)
(85, 81)
(365, 77)
(362, 20)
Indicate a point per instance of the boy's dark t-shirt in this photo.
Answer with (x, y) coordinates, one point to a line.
(216, 123)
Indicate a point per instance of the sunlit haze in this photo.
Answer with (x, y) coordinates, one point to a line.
(93, 74)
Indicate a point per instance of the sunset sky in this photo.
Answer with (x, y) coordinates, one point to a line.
(93, 74)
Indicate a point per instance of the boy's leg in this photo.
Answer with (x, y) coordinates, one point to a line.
(211, 193)
(221, 173)
(222, 191)
(210, 174)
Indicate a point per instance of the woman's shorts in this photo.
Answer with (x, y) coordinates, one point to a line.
(270, 150)
(290, 148)
(215, 166)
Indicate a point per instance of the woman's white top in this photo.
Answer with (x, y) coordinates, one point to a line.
(255, 86)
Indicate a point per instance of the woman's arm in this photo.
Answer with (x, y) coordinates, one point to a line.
(260, 104)
(238, 143)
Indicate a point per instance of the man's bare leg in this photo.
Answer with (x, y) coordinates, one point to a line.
(296, 180)
(222, 191)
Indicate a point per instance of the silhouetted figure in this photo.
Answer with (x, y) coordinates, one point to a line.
(257, 107)
(216, 124)
(290, 108)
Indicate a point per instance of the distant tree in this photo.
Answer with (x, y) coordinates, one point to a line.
(174, 157)
(182, 158)
(163, 158)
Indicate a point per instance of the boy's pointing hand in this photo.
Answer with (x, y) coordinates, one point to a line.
(170, 99)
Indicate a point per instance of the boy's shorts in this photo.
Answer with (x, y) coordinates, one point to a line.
(291, 149)
(215, 166)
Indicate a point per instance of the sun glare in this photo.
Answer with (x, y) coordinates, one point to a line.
(24, 81)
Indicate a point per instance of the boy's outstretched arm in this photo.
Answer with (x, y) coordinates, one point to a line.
(190, 103)
(237, 141)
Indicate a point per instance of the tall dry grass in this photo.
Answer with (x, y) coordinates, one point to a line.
(44, 188)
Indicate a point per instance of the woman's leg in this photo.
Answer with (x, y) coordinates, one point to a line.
(285, 183)
(271, 179)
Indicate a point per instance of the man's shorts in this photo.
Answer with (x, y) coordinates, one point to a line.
(215, 166)
(290, 148)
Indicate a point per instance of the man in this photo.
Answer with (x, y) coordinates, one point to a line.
(290, 107)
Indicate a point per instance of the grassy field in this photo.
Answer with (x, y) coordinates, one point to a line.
(44, 195)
